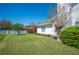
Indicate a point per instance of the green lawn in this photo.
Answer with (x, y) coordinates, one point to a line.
(31, 44)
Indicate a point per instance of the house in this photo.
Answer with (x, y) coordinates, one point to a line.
(31, 28)
(46, 28)
(66, 12)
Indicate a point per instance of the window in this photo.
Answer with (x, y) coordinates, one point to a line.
(77, 22)
(43, 29)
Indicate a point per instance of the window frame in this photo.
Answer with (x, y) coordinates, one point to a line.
(77, 22)
(43, 29)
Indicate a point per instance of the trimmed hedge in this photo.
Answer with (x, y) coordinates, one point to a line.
(2, 36)
(70, 36)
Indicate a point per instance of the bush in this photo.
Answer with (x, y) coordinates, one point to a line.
(29, 31)
(2, 36)
(70, 36)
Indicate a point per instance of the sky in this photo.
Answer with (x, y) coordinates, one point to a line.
(25, 13)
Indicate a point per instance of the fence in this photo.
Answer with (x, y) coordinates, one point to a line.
(13, 32)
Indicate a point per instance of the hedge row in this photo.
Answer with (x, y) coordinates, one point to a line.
(70, 36)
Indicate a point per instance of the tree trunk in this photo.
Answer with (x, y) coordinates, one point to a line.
(58, 38)
(58, 34)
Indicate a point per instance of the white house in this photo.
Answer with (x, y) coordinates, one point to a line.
(46, 28)
(68, 12)
(75, 15)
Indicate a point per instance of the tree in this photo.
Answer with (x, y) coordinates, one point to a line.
(52, 12)
(18, 27)
(33, 27)
(62, 17)
(58, 25)
(59, 19)
(5, 24)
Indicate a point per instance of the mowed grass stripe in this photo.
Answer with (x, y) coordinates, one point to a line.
(31, 44)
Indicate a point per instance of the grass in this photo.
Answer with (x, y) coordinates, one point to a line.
(31, 44)
(2, 36)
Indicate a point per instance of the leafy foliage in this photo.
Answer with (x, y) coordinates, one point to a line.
(70, 36)
(18, 27)
(5, 24)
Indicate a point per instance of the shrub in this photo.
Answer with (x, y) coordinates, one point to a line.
(70, 36)
(2, 36)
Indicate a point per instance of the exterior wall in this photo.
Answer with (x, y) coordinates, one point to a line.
(74, 20)
(48, 30)
(75, 15)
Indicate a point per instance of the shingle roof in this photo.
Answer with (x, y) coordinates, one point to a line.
(49, 21)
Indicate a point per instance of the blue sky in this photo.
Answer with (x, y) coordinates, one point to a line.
(25, 13)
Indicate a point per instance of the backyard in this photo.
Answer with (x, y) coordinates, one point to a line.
(32, 44)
